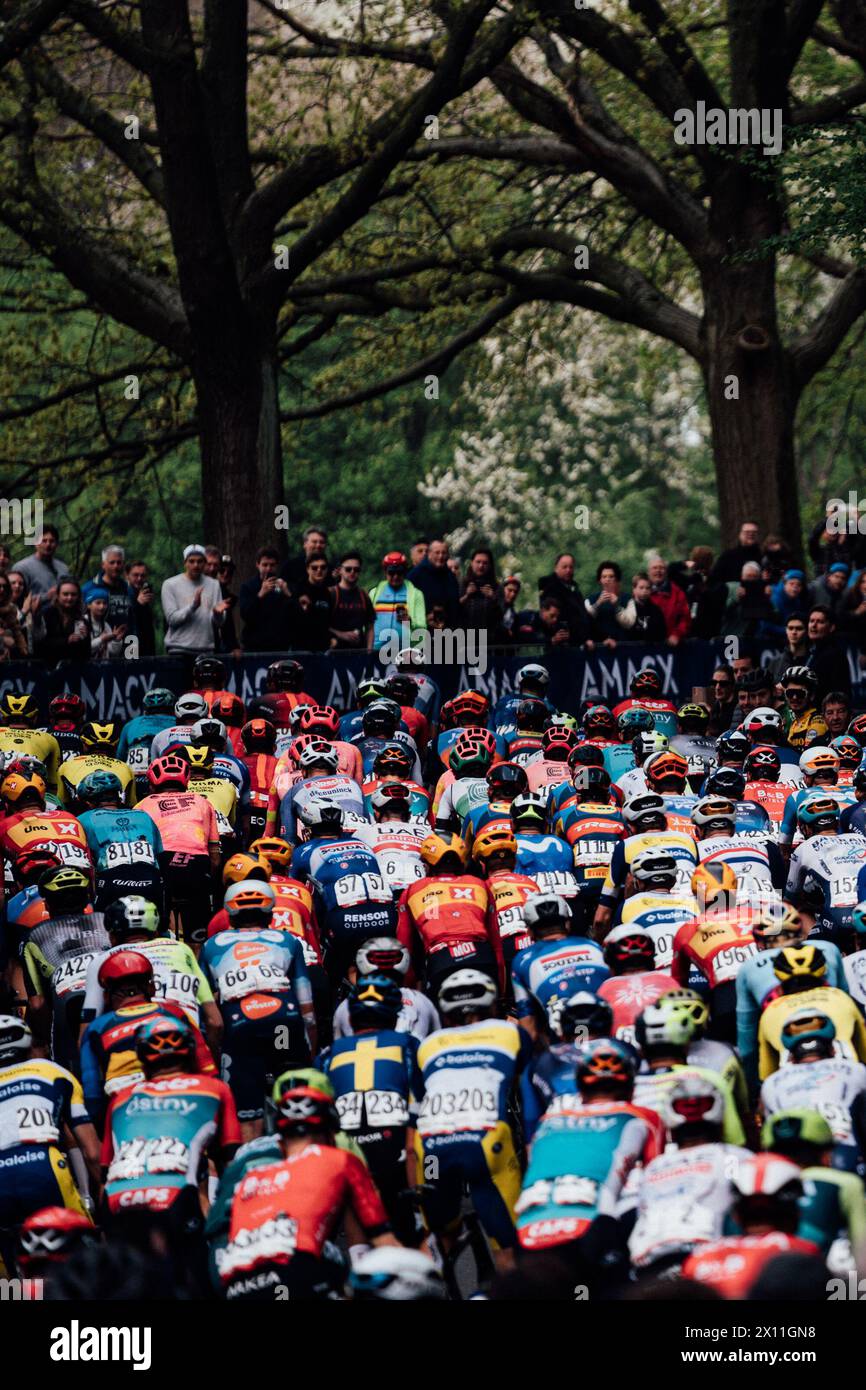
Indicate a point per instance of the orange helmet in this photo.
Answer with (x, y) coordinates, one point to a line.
(229, 708)
(711, 880)
(243, 866)
(470, 707)
(495, 837)
(435, 848)
(665, 764)
(15, 786)
(277, 853)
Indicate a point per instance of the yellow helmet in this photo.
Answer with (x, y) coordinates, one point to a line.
(18, 709)
(95, 735)
(16, 785)
(199, 755)
(243, 866)
(435, 848)
(711, 880)
(495, 837)
(800, 963)
(277, 853)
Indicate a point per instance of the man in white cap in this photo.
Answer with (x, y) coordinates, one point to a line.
(193, 604)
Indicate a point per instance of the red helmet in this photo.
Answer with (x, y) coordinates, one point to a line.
(557, 742)
(67, 707)
(298, 746)
(761, 761)
(259, 736)
(598, 720)
(121, 966)
(168, 771)
(321, 720)
(857, 729)
(446, 715)
(470, 707)
(646, 682)
(30, 863)
(52, 1234)
(229, 708)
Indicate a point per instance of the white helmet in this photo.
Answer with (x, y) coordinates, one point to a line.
(315, 814)
(643, 804)
(382, 953)
(394, 1274)
(811, 759)
(533, 672)
(15, 1039)
(466, 990)
(191, 706)
(693, 1100)
(654, 866)
(714, 810)
(544, 910)
(764, 717)
(319, 752)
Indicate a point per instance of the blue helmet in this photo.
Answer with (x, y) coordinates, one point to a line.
(726, 781)
(635, 721)
(858, 917)
(375, 1002)
(99, 784)
(818, 809)
(159, 701)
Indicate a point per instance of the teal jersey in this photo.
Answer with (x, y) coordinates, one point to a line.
(121, 837)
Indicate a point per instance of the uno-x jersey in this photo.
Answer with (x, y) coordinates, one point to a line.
(59, 831)
(445, 909)
(468, 1075)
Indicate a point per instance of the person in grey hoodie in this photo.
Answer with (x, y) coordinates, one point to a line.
(193, 604)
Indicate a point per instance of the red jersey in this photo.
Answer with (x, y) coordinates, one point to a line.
(731, 1266)
(261, 767)
(719, 944)
(447, 911)
(282, 702)
(771, 795)
(294, 1206)
(59, 831)
(510, 892)
(418, 725)
(629, 995)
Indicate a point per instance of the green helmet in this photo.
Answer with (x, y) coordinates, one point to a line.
(159, 701)
(788, 1127)
(668, 1020)
(132, 913)
(98, 785)
(302, 1076)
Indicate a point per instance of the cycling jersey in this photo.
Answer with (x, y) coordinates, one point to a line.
(509, 893)
(176, 973)
(798, 727)
(756, 981)
(732, 1265)
(550, 1073)
(700, 754)
(419, 800)
(629, 784)
(253, 964)
(458, 797)
(109, 1062)
(618, 760)
(261, 771)
(593, 831)
(352, 900)
(485, 817)
(417, 1016)
(58, 831)
(397, 847)
(186, 822)
(854, 818)
(660, 915)
(651, 1089)
(629, 995)
(680, 846)
(850, 1040)
(758, 865)
(833, 1205)
(222, 796)
(663, 712)
(548, 860)
(121, 838)
(773, 796)
(281, 703)
(580, 1159)
(157, 1134)
(74, 770)
(546, 773)
(33, 743)
(468, 1074)
(318, 791)
(371, 745)
(376, 1079)
(829, 1086)
(789, 832)
(522, 748)
(718, 943)
(136, 738)
(505, 711)
(833, 863)
(547, 971)
(66, 736)
(37, 1099)
(173, 736)
(684, 1196)
(58, 952)
(449, 912)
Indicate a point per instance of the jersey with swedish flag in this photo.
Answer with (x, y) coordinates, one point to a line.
(376, 1078)
(468, 1075)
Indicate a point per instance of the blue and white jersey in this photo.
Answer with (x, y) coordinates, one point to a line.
(759, 866)
(836, 864)
(327, 790)
(789, 833)
(255, 961)
(371, 745)
(349, 888)
(551, 970)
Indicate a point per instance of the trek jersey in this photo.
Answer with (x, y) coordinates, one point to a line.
(673, 842)
(447, 911)
(397, 847)
(629, 995)
(35, 744)
(74, 770)
(376, 1079)
(417, 1016)
(293, 1206)
(483, 817)
(718, 943)
(759, 866)
(109, 1062)
(176, 973)
(37, 1098)
(789, 830)
(251, 964)
(731, 1266)
(157, 1135)
(350, 895)
(580, 1159)
(593, 830)
(661, 915)
(548, 972)
(468, 1074)
(121, 839)
(829, 1086)
(850, 1040)
(186, 822)
(59, 831)
(319, 791)
(834, 863)
(684, 1196)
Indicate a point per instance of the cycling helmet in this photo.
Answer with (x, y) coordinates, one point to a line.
(530, 715)
(470, 707)
(713, 880)
(95, 735)
(15, 787)
(403, 688)
(393, 761)
(250, 898)
(124, 965)
(322, 821)
(640, 810)
(506, 780)
(16, 1039)
(168, 772)
(800, 675)
(727, 782)
(64, 890)
(208, 673)
(239, 867)
(857, 729)
(819, 760)
(643, 745)
(30, 864)
(635, 721)
(689, 1003)
(51, 1235)
(594, 780)
(585, 755)
(693, 1100)
(191, 707)
(788, 1129)
(66, 708)
(653, 868)
(466, 991)
(228, 708)
(469, 757)
(375, 1001)
(546, 912)
(435, 848)
(199, 756)
(392, 796)
(259, 736)
(132, 914)
(99, 785)
(626, 944)
(273, 850)
(319, 754)
(295, 717)
(285, 675)
(393, 1274)
(606, 1062)
(557, 742)
(732, 746)
(302, 1076)
(847, 750)
(532, 675)
(663, 766)
(776, 920)
(695, 715)
(158, 701)
(161, 1042)
(598, 722)
(19, 709)
(529, 810)
(371, 689)
(381, 719)
(766, 1175)
(493, 839)
(663, 1024)
(858, 918)
(211, 731)
(764, 717)
(304, 1109)
(802, 962)
(817, 811)
(319, 719)
(713, 813)
(382, 955)
(582, 1016)
(297, 746)
(762, 764)
(808, 1032)
(646, 682)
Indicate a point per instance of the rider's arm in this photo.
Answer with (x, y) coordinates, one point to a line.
(366, 1204)
(492, 927)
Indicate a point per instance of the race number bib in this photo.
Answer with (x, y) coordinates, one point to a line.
(464, 1099)
(69, 853)
(728, 963)
(383, 1108)
(27, 1120)
(134, 852)
(138, 758)
(236, 982)
(69, 976)
(556, 881)
(353, 889)
(136, 1158)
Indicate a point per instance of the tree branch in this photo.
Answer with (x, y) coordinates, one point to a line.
(26, 27)
(813, 350)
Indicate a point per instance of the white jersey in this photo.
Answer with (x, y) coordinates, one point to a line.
(828, 1086)
(417, 1016)
(461, 796)
(855, 976)
(790, 774)
(683, 1198)
(835, 861)
(750, 861)
(397, 847)
(179, 733)
(632, 783)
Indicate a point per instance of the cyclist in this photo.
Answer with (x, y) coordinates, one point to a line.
(19, 715)
(646, 828)
(855, 963)
(404, 689)
(523, 745)
(692, 743)
(125, 844)
(717, 943)
(571, 1024)
(385, 955)
(505, 781)
(187, 826)
(320, 786)
(633, 782)
(555, 966)
(258, 739)
(98, 754)
(294, 912)
(762, 769)
(137, 735)
(645, 692)
(820, 768)
(56, 956)
(833, 1205)
(802, 973)
(551, 769)
(381, 725)
(221, 793)
(758, 865)
(47, 1239)
(396, 1275)
(66, 715)
(394, 764)
(800, 713)
(188, 710)
(464, 785)
(541, 855)
(665, 1032)
(494, 851)
(634, 981)
(751, 817)
(593, 829)
(655, 902)
(283, 692)
(854, 817)
(30, 825)
(395, 837)
(850, 755)
(817, 1079)
(828, 861)
(530, 682)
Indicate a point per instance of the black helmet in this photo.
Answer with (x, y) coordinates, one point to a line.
(285, 675)
(375, 1001)
(507, 780)
(582, 1011)
(733, 744)
(727, 782)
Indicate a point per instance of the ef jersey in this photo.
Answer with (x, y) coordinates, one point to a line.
(468, 1075)
(186, 822)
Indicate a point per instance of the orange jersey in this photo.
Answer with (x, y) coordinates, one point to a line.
(418, 725)
(731, 1266)
(445, 910)
(509, 892)
(186, 821)
(262, 768)
(718, 943)
(771, 795)
(59, 831)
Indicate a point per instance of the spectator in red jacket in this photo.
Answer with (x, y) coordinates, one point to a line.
(671, 600)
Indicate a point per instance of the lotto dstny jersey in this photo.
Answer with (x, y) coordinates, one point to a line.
(684, 1196)
(240, 964)
(469, 1074)
(850, 1040)
(35, 744)
(177, 976)
(417, 1016)
(835, 864)
(580, 1159)
(618, 760)
(376, 1079)
(74, 770)
(397, 847)
(349, 891)
(681, 846)
(120, 838)
(788, 833)
(651, 1089)
(554, 970)
(759, 865)
(829, 1086)
(319, 791)
(156, 1137)
(661, 915)
(663, 712)
(37, 1098)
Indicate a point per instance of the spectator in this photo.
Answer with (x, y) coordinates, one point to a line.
(44, 568)
(212, 559)
(268, 611)
(742, 664)
(227, 639)
(561, 585)
(641, 619)
(776, 559)
(605, 603)
(796, 647)
(313, 601)
(67, 635)
(138, 579)
(508, 623)
(436, 582)
(828, 591)
(397, 601)
(722, 707)
(5, 559)
(706, 598)
(106, 641)
(830, 540)
(729, 565)
(787, 596)
(750, 616)
(13, 643)
(314, 542)
(351, 617)
(836, 709)
(418, 550)
(193, 606)
(549, 625)
(827, 657)
(110, 577)
(853, 616)
(29, 609)
(479, 599)
(671, 602)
